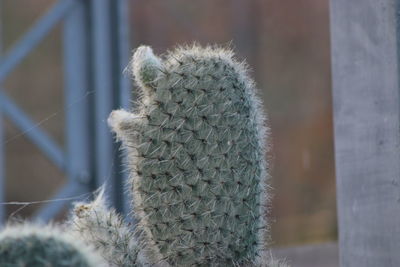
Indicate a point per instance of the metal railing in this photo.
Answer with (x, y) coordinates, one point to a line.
(96, 50)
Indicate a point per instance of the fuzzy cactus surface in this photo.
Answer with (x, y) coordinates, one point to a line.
(195, 147)
(37, 246)
(104, 229)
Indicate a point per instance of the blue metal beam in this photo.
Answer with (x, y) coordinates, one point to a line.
(121, 57)
(31, 130)
(123, 53)
(34, 36)
(104, 95)
(77, 75)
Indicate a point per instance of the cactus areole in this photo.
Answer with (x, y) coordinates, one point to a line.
(196, 146)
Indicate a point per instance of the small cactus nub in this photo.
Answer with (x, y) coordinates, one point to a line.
(196, 148)
(104, 229)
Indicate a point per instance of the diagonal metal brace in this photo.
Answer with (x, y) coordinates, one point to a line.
(32, 131)
(34, 36)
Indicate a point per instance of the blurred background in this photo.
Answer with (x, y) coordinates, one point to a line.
(286, 43)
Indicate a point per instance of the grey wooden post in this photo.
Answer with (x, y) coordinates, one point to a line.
(367, 142)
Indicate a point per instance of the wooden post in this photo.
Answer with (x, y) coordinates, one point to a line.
(367, 133)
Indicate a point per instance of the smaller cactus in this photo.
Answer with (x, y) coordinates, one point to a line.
(34, 245)
(105, 230)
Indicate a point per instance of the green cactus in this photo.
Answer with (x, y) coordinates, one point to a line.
(36, 246)
(196, 149)
(105, 230)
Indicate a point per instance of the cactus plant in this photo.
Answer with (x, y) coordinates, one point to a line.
(196, 149)
(34, 246)
(103, 228)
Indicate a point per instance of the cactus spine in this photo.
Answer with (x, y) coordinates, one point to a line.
(196, 153)
(30, 245)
